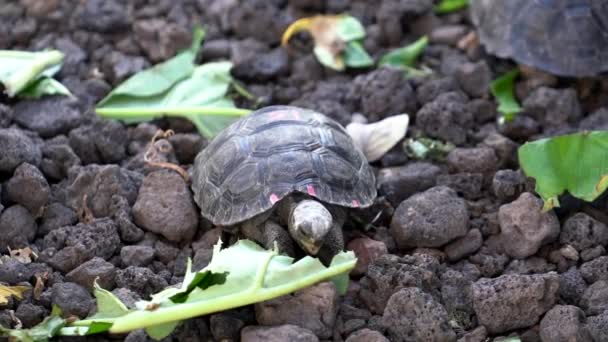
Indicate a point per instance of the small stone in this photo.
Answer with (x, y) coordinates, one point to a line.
(128, 297)
(513, 301)
(456, 297)
(57, 160)
(479, 334)
(187, 146)
(366, 335)
(103, 141)
(165, 252)
(531, 265)
(504, 148)
(313, 308)
(248, 48)
(572, 286)
(56, 215)
(74, 60)
(522, 128)
(366, 250)
(29, 314)
(431, 88)
(507, 185)
(484, 111)
(399, 183)
(581, 231)
(29, 188)
(105, 16)
(413, 315)
(473, 159)
(82, 242)
(464, 246)
(553, 107)
(165, 206)
(159, 39)
(118, 66)
(430, 219)
(597, 120)
(597, 327)
(596, 269)
(281, 333)
(569, 253)
(140, 280)
(448, 34)
(467, 185)
(94, 269)
(564, 323)
(489, 264)
(224, 327)
(18, 228)
(592, 253)
(447, 117)
(595, 298)
(474, 78)
(382, 93)
(72, 299)
(216, 49)
(17, 148)
(525, 227)
(136, 255)
(390, 273)
(352, 325)
(348, 311)
(263, 67)
(6, 116)
(48, 116)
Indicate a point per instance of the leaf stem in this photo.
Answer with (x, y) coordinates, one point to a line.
(127, 113)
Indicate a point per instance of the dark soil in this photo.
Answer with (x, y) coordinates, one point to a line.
(461, 250)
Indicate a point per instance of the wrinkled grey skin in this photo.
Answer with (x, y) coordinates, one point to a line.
(314, 226)
(563, 37)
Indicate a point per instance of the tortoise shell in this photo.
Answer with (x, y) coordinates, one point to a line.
(564, 37)
(272, 153)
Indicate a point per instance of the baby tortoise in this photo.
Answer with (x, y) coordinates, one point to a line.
(563, 37)
(284, 166)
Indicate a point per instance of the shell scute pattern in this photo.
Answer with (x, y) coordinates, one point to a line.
(276, 151)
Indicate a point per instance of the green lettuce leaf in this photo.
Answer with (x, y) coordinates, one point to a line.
(29, 73)
(502, 89)
(405, 56)
(159, 78)
(239, 275)
(577, 163)
(179, 88)
(449, 6)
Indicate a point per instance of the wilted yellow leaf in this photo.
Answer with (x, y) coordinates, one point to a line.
(7, 291)
(333, 34)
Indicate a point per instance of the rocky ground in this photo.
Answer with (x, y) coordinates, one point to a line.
(461, 250)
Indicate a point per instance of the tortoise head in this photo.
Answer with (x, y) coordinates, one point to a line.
(309, 223)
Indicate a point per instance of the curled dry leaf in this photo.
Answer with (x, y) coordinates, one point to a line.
(158, 148)
(7, 291)
(377, 138)
(23, 255)
(336, 40)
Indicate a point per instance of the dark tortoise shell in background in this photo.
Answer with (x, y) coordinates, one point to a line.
(563, 37)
